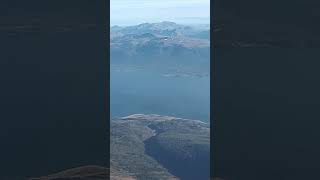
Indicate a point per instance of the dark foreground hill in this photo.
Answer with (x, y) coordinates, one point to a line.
(85, 172)
(151, 147)
(160, 147)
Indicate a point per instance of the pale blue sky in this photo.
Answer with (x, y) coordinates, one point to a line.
(130, 12)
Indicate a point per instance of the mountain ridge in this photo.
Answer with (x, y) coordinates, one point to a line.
(164, 42)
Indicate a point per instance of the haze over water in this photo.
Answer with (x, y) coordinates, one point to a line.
(150, 92)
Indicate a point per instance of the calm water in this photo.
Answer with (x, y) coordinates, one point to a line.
(150, 90)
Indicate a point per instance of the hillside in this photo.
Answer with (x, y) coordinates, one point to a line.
(151, 147)
(160, 147)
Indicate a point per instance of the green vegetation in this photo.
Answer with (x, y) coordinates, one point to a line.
(159, 147)
(128, 152)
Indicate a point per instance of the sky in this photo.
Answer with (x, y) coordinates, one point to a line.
(131, 12)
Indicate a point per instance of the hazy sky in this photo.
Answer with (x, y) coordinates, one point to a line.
(128, 12)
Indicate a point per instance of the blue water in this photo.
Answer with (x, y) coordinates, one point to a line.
(147, 90)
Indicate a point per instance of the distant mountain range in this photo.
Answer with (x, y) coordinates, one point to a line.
(159, 42)
(165, 28)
